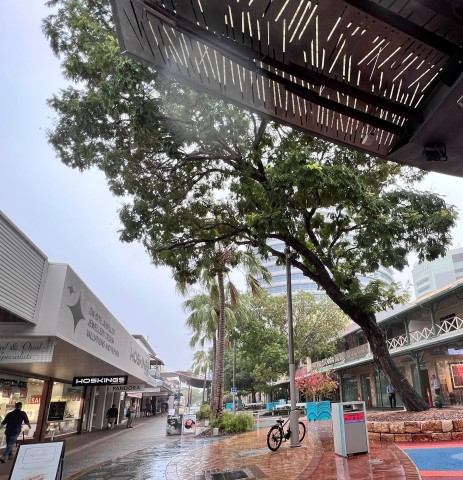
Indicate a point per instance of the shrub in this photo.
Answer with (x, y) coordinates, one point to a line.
(234, 423)
(205, 412)
(316, 385)
(437, 400)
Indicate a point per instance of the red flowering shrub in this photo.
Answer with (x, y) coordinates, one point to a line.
(316, 385)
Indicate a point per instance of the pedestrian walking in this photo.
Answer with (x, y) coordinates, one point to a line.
(111, 415)
(13, 421)
(390, 391)
(130, 415)
(148, 408)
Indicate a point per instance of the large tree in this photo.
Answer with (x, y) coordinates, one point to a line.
(262, 342)
(196, 173)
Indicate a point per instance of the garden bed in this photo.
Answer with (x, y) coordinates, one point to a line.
(402, 426)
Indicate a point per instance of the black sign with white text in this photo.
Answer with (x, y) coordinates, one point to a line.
(103, 380)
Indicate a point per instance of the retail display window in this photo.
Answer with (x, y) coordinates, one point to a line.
(63, 413)
(28, 391)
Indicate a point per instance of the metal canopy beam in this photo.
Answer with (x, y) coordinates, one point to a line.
(405, 26)
(381, 77)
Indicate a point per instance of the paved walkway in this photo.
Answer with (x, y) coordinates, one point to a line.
(145, 452)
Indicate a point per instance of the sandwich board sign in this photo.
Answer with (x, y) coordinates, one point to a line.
(41, 461)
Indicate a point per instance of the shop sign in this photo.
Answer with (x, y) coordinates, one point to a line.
(455, 351)
(354, 417)
(30, 350)
(35, 399)
(6, 392)
(127, 388)
(94, 381)
(135, 395)
(56, 411)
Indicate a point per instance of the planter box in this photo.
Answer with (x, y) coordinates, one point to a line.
(318, 410)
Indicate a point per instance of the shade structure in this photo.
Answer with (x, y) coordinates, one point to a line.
(384, 77)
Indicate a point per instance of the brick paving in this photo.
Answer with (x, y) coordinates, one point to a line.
(145, 452)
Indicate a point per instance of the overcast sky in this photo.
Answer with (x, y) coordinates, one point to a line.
(71, 216)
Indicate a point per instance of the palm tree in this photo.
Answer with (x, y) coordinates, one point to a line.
(223, 300)
(201, 365)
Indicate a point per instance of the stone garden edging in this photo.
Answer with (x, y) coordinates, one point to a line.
(415, 431)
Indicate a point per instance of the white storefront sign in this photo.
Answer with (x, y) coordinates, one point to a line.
(131, 387)
(26, 350)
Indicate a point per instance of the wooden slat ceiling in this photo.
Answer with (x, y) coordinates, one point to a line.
(380, 76)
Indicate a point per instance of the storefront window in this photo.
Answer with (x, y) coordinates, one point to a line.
(450, 379)
(349, 389)
(64, 411)
(28, 391)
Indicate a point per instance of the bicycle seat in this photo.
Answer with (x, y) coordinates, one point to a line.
(280, 421)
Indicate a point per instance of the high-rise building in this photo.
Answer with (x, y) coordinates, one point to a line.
(430, 276)
(300, 282)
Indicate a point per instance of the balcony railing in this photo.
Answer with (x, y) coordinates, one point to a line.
(447, 326)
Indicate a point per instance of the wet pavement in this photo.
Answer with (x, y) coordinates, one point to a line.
(145, 452)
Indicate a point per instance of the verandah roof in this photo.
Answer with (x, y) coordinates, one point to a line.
(383, 76)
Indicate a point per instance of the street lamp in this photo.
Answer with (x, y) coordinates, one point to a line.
(235, 334)
(293, 414)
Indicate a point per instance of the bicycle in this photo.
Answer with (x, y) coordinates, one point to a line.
(277, 434)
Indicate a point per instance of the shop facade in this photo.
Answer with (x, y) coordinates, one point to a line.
(54, 330)
(425, 340)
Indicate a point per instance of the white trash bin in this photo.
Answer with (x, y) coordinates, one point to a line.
(349, 428)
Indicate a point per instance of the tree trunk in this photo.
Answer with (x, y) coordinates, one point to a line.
(204, 385)
(214, 362)
(219, 362)
(377, 341)
(409, 396)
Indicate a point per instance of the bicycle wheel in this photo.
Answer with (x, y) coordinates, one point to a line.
(274, 438)
(301, 431)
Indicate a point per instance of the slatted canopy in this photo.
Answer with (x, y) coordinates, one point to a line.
(384, 76)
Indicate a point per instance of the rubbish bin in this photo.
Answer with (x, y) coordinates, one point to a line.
(349, 428)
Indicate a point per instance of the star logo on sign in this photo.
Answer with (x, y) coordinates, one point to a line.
(77, 314)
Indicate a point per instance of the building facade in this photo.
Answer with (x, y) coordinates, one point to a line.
(300, 282)
(429, 276)
(62, 353)
(425, 339)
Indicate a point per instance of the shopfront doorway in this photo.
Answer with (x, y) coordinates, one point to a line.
(366, 389)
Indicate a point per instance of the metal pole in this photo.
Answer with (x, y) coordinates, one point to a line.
(234, 368)
(294, 414)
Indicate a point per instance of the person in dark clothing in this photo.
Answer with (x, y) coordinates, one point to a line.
(111, 415)
(391, 393)
(13, 421)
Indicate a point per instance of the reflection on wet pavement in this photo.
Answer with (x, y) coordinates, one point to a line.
(147, 464)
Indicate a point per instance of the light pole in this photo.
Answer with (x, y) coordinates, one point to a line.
(293, 414)
(234, 368)
(236, 333)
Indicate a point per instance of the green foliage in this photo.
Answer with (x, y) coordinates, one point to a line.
(200, 176)
(205, 412)
(233, 423)
(262, 348)
(437, 401)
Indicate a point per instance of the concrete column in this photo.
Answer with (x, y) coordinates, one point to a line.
(117, 402)
(91, 407)
(407, 329)
(100, 409)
